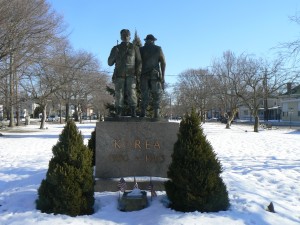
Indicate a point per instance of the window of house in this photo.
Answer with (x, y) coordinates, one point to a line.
(246, 113)
(285, 107)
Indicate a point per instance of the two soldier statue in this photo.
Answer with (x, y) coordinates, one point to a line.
(144, 66)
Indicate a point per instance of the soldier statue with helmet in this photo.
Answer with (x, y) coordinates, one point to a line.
(127, 60)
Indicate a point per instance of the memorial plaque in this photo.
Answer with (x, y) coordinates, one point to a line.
(134, 148)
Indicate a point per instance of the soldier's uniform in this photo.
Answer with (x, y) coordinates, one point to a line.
(127, 60)
(152, 76)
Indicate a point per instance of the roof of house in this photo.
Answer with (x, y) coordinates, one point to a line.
(294, 91)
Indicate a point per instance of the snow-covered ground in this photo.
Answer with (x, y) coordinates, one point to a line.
(259, 168)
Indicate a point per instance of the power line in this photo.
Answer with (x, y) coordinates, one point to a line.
(172, 75)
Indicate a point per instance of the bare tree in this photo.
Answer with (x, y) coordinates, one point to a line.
(27, 27)
(247, 80)
(289, 52)
(275, 78)
(194, 91)
(41, 82)
(227, 73)
(258, 81)
(46, 76)
(79, 67)
(98, 97)
(89, 85)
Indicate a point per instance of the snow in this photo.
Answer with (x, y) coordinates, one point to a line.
(135, 192)
(259, 168)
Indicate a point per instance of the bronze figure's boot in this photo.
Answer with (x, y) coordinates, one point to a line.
(133, 112)
(143, 113)
(118, 111)
(156, 113)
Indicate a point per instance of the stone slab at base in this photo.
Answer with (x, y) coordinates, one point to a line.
(134, 119)
(133, 203)
(102, 185)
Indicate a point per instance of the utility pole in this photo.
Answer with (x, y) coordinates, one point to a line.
(265, 89)
(11, 89)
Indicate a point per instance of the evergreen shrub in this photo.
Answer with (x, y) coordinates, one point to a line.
(69, 184)
(92, 145)
(195, 183)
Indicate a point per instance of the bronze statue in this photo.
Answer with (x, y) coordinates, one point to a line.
(153, 75)
(127, 60)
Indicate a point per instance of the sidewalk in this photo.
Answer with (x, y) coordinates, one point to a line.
(273, 123)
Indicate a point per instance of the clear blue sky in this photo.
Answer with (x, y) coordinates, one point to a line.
(192, 33)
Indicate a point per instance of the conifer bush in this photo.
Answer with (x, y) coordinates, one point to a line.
(92, 145)
(69, 184)
(195, 183)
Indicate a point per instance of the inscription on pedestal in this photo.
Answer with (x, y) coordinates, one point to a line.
(134, 148)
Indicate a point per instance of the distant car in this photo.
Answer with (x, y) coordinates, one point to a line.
(52, 118)
(223, 119)
(213, 119)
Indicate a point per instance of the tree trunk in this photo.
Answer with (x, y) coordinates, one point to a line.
(76, 113)
(256, 123)
(17, 103)
(11, 119)
(231, 118)
(67, 111)
(18, 116)
(60, 112)
(43, 120)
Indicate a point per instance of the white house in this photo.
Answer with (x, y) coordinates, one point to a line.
(290, 102)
